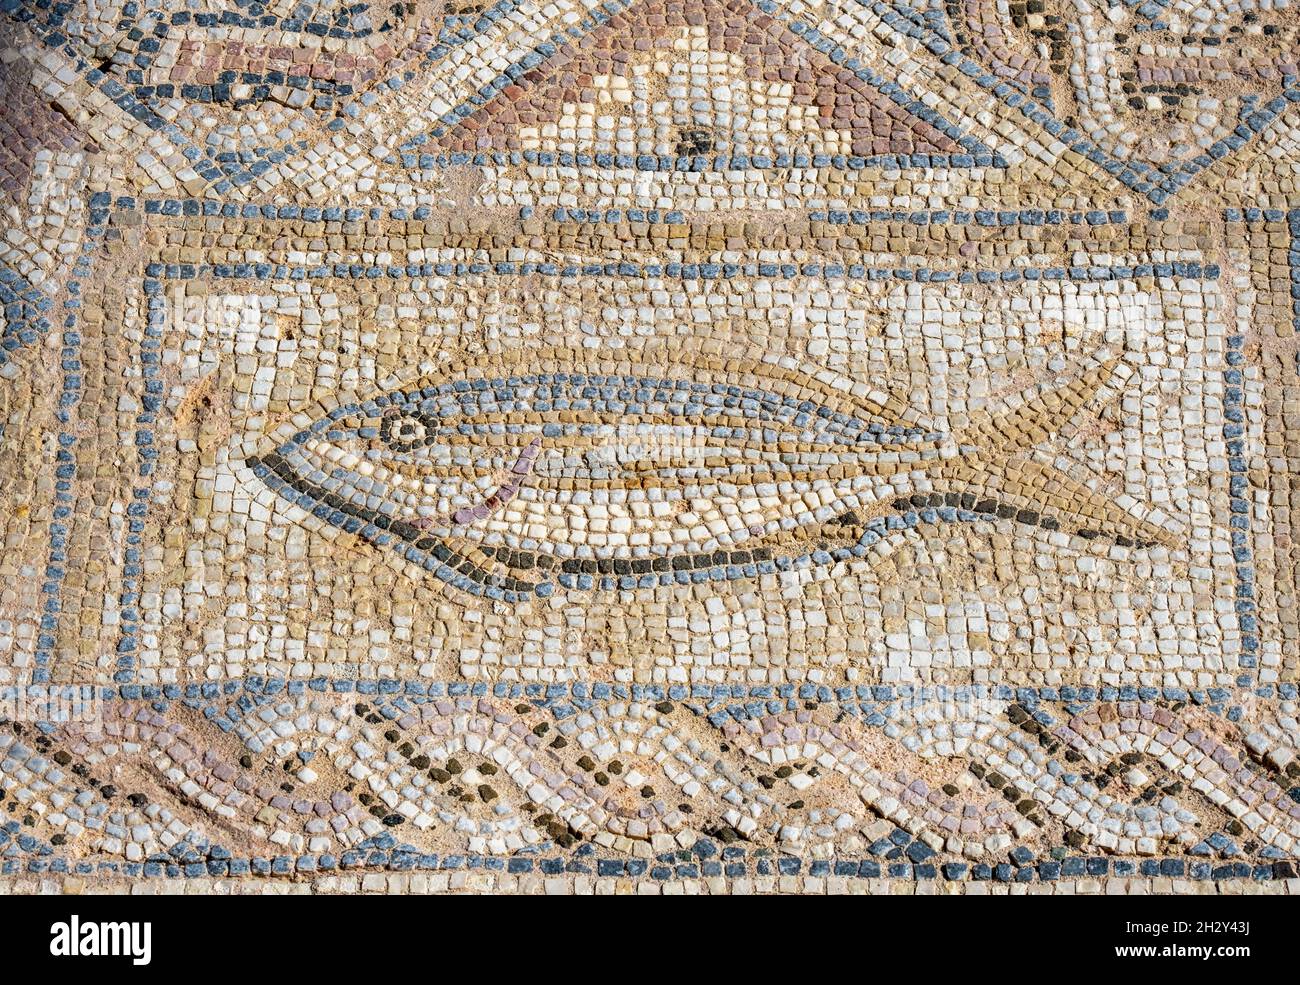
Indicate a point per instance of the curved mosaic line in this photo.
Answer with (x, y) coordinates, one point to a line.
(329, 781)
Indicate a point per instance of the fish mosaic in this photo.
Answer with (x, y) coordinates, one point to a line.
(510, 482)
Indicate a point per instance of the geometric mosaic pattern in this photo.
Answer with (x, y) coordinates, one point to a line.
(646, 446)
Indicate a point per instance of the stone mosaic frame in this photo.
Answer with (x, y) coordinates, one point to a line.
(156, 316)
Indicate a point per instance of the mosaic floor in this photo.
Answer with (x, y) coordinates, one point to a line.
(650, 446)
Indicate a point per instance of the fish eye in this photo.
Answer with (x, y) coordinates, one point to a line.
(404, 431)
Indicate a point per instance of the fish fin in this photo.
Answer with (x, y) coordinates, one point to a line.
(1039, 413)
(1029, 484)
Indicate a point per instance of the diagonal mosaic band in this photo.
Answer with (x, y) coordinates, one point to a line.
(649, 446)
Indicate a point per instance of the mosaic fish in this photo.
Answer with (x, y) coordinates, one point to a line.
(510, 481)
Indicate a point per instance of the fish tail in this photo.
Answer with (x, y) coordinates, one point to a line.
(1035, 488)
(1041, 412)
(996, 462)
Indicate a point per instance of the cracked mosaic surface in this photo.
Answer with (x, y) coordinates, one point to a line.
(655, 446)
